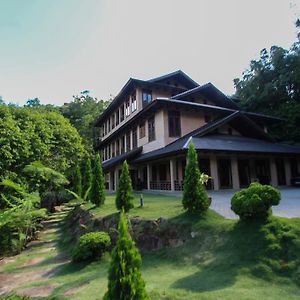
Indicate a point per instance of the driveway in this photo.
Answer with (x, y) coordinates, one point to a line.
(288, 207)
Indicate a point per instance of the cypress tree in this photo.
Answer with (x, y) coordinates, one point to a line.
(124, 198)
(98, 186)
(88, 178)
(124, 278)
(78, 181)
(195, 198)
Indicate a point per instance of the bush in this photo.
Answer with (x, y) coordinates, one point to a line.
(124, 198)
(255, 201)
(195, 198)
(124, 275)
(91, 246)
(97, 192)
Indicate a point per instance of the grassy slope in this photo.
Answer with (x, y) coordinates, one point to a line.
(224, 261)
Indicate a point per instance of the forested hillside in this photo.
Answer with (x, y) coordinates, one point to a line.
(271, 85)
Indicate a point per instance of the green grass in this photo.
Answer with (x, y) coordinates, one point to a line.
(155, 206)
(227, 259)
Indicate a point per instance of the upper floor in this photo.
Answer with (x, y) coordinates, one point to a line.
(154, 113)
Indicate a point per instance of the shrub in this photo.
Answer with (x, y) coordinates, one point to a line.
(87, 178)
(124, 198)
(91, 246)
(124, 276)
(255, 201)
(195, 198)
(78, 181)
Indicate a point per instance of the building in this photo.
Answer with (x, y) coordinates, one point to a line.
(150, 124)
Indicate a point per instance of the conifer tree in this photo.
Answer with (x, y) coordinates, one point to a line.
(195, 198)
(78, 181)
(124, 198)
(124, 278)
(88, 178)
(98, 186)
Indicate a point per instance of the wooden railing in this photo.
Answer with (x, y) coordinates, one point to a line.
(160, 185)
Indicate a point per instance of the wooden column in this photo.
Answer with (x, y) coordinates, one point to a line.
(172, 174)
(148, 176)
(235, 173)
(287, 168)
(273, 171)
(214, 172)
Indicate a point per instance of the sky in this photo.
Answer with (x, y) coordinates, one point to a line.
(54, 49)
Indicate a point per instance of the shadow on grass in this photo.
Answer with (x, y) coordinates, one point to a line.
(241, 248)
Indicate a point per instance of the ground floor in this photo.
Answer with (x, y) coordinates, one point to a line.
(227, 171)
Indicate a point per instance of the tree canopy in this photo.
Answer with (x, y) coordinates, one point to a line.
(29, 135)
(271, 85)
(82, 112)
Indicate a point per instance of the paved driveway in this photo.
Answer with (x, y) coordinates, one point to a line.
(289, 206)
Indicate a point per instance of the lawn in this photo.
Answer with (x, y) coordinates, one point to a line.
(155, 206)
(225, 260)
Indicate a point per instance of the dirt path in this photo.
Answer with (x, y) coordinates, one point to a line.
(26, 272)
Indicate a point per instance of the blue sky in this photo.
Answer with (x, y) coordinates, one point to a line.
(53, 49)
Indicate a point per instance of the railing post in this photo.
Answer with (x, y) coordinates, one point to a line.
(172, 175)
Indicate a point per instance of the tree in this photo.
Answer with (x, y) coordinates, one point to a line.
(124, 278)
(272, 86)
(124, 198)
(29, 135)
(98, 186)
(82, 112)
(33, 102)
(78, 181)
(195, 198)
(88, 177)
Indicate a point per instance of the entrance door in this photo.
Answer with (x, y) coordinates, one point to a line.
(133, 176)
(225, 175)
(244, 172)
(204, 166)
(280, 171)
(262, 170)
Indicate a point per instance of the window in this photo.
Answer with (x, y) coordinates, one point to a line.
(128, 142)
(113, 149)
(134, 138)
(133, 102)
(104, 131)
(122, 144)
(113, 121)
(117, 117)
(174, 123)
(109, 156)
(127, 108)
(118, 147)
(147, 96)
(207, 118)
(151, 129)
(122, 112)
(142, 130)
(108, 125)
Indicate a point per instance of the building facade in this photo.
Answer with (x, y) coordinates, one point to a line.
(151, 123)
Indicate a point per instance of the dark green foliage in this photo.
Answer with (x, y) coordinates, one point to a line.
(98, 186)
(195, 198)
(20, 217)
(31, 134)
(91, 246)
(255, 201)
(124, 198)
(82, 112)
(281, 250)
(78, 181)
(125, 280)
(14, 296)
(88, 177)
(272, 86)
